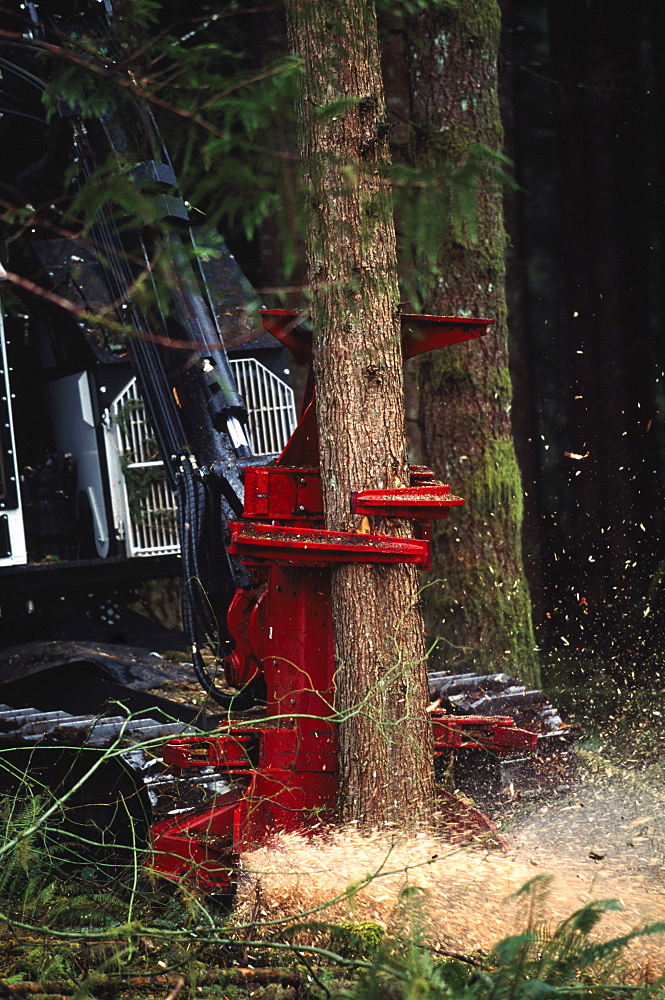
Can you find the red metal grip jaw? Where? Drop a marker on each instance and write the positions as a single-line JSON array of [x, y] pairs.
[[419, 333], [232, 751], [414, 502], [494, 732], [316, 546], [294, 494]]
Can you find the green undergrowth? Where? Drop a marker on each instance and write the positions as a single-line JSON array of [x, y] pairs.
[[76, 928], [363, 963]]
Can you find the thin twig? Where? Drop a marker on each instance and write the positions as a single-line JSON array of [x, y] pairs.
[[176, 989]]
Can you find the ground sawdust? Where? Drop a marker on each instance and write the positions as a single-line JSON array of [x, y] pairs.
[[469, 893]]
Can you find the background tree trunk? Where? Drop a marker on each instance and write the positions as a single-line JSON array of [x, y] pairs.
[[479, 603], [381, 691]]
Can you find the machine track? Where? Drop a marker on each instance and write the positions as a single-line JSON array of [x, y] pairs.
[[492, 782], [97, 775], [111, 757]]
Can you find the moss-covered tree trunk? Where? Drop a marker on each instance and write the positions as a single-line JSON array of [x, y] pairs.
[[479, 604], [381, 692]]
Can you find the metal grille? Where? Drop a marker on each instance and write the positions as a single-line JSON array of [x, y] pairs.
[[143, 502], [269, 401], [142, 499]]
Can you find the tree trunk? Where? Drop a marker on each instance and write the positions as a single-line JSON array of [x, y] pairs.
[[479, 602], [381, 685]]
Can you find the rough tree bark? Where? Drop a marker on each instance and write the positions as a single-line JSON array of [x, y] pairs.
[[381, 689], [480, 603]]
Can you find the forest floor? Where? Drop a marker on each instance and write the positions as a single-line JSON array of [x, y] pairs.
[[603, 840]]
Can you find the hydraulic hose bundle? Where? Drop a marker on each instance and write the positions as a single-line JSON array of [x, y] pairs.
[[200, 513], [176, 346]]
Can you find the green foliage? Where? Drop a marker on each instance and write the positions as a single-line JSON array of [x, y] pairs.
[[229, 122], [72, 83], [357, 937], [94, 909], [227, 119], [144, 14], [533, 965], [26, 871], [97, 937], [110, 189]]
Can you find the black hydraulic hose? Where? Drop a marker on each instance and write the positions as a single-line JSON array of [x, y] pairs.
[[208, 584], [232, 702], [198, 618]]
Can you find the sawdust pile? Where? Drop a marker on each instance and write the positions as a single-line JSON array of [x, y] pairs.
[[467, 899]]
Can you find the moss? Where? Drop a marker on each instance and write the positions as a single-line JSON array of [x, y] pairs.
[[496, 483], [504, 612], [478, 21], [446, 368], [357, 938], [480, 607], [500, 385]]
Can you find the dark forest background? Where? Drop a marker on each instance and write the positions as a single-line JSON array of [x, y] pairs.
[[584, 113]]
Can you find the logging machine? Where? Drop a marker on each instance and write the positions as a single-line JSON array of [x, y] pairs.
[[147, 437]]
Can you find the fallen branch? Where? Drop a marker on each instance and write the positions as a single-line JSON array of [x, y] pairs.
[[236, 976]]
